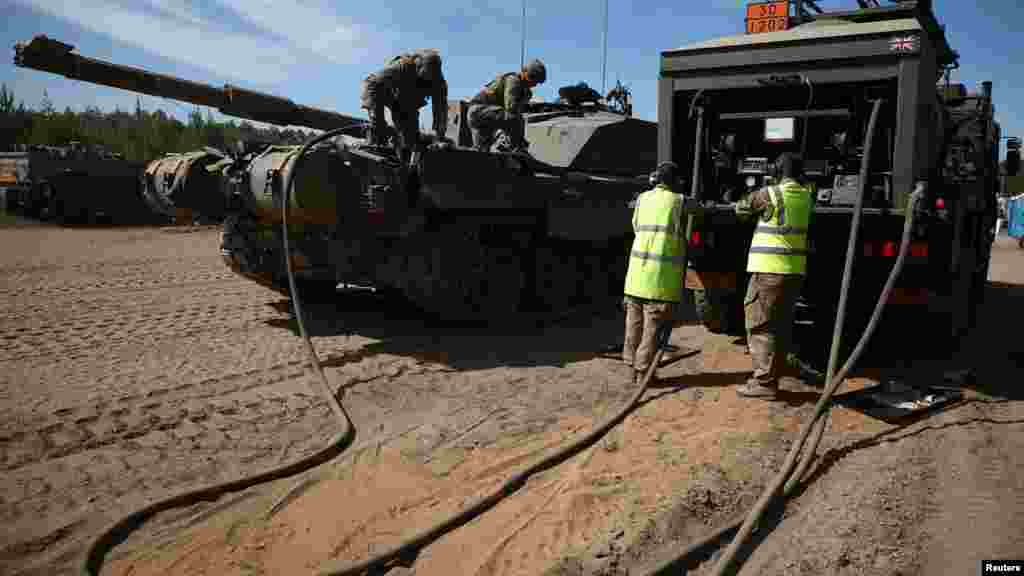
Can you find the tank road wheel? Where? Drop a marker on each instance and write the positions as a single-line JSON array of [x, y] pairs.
[[593, 280], [720, 310], [433, 285], [240, 252], [456, 280], [615, 271], [501, 286], [557, 280]]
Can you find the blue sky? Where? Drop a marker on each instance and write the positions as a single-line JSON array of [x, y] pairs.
[[316, 51]]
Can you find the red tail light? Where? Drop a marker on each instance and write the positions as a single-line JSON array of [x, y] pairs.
[[891, 249], [940, 203], [695, 240], [375, 216]]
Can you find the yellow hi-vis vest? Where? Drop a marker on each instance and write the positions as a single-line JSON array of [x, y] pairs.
[[779, 245], [659, 247]]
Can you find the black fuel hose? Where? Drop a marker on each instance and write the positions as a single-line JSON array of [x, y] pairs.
[[120, 530], [705, 542], [816, 425], [412, 545], [824, 403]]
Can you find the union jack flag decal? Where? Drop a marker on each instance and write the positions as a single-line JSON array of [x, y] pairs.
[[903, 44]]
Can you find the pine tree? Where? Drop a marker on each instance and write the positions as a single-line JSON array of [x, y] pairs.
[[6, 101], [46, 105]]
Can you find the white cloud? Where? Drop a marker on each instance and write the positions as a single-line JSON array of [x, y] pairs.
[[186, 38], [311, 25], [178, 10]]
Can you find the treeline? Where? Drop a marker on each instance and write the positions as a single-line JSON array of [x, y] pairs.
[[140, 135]]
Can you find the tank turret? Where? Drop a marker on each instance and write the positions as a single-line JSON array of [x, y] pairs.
[[581, 132]]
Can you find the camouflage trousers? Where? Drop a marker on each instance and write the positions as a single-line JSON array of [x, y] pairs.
[[405, 116], [485, 120], [643, 320], [769, 306]]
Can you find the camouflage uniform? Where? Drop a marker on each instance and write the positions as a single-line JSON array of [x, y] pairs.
[[403, 86], [499, 105], [769, 305]]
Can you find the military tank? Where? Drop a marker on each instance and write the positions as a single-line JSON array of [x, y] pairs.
[[464, 234], [76, 183]]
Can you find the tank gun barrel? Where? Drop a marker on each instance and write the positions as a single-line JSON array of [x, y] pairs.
[[49, 55]]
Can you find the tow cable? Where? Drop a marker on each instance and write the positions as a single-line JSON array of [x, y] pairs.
[[407, 549]]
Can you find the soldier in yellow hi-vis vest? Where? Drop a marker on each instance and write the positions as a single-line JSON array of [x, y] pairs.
[[654, 279], [778, 263]]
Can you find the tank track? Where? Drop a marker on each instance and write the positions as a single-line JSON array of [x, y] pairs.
[[453, 277], [260, 260]]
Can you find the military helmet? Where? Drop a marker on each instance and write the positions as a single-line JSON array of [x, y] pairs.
[[536, 72], [666, 173]]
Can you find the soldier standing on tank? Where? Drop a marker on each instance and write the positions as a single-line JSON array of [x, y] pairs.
[[501, 103], [654, 278], [778, 263], [403, 86]]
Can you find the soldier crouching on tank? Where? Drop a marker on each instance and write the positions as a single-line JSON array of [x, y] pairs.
[[403, 86], [777, 263], [654, 278], [500, 105]]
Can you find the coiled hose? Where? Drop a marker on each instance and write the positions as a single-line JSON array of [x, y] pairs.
[[788, 479], [120, 530]]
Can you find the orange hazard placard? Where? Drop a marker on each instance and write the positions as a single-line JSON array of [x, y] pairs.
[[767, 17]]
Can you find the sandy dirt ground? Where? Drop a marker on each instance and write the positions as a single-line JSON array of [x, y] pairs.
[[135, 366]]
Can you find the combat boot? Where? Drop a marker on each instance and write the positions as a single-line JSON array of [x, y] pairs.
[[754, 389], [638, 377]]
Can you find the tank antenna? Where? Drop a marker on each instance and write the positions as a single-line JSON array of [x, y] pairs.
[[522, 51], [604, 57]]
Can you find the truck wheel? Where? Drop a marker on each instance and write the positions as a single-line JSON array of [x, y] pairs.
[[978, 289], [735, 315], [706, 311], [720, 311]]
